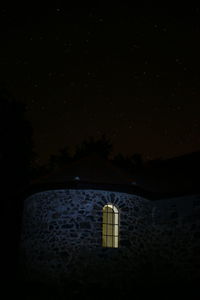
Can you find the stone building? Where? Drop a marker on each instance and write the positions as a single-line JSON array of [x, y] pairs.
[[92, 222]]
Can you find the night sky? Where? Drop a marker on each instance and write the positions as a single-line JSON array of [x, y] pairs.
[[131, 73]]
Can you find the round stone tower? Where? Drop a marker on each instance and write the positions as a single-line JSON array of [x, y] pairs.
[[88, 222]]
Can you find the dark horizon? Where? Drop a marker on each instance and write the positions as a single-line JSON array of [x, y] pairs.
[[129, 73]]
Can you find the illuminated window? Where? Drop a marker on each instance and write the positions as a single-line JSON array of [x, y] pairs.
[[110, 232]]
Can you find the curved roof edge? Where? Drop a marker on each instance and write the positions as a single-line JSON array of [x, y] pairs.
[[123, 188]]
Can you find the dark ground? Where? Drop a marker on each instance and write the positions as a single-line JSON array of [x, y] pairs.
[[145, 289]]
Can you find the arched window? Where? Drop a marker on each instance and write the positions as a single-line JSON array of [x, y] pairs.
[[110, 232]]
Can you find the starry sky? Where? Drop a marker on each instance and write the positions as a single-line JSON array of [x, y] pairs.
[[130, 73]]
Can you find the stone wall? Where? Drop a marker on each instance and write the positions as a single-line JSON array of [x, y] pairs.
[[176, 238], [62, 236]]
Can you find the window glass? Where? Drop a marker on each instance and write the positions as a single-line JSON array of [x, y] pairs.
[[110, 229]]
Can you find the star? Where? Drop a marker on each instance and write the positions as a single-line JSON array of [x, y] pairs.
[[122, 66]]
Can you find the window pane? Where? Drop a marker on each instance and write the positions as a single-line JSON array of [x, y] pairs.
[[116, 219], [110, 218], [115, 230], [104, 241], [115, 244], [109, 209], [109, 230], [105, 217], [110, 226], [104, 229]]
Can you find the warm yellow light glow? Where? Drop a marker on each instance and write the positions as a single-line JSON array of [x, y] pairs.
[[110, 230]]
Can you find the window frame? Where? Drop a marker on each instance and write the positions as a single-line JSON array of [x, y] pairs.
[[110, 226]]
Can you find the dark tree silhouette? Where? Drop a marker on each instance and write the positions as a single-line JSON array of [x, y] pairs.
[[15, 160], [136, 161], [131, 163], [57, 161], [102, 146], [122, 161], [16, 143]]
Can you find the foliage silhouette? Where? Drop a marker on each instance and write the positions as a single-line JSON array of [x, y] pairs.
[[131, 163], [102, 146], [15, 160], [63, 157], [16, 151]]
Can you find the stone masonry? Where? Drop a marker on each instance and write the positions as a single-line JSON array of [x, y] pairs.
[[62, 234], [62, 237]]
